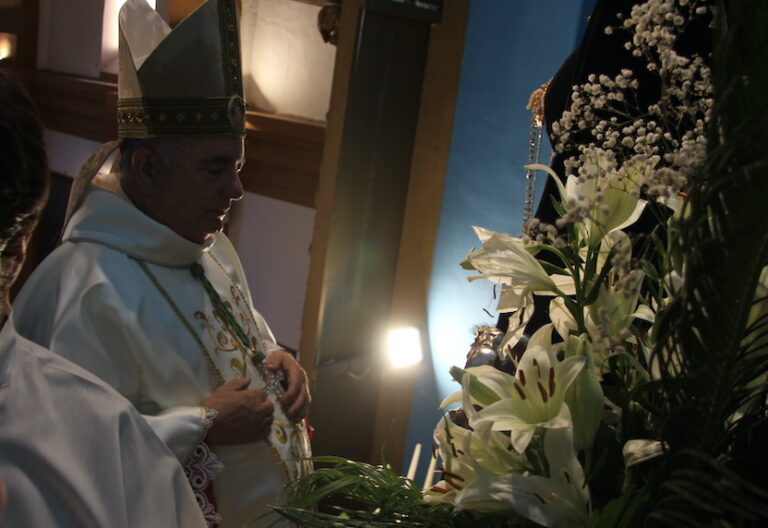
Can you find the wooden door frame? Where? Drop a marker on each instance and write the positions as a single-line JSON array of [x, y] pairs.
[[421, 216]]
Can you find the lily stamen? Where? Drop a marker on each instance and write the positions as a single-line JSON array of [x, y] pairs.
[[522, 376], [450, 473], [519, 391], [551, 381], [452, 483], [543, 392], [539, 497]]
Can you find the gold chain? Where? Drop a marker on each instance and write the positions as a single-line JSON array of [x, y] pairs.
[[536, 106], [216, 372]]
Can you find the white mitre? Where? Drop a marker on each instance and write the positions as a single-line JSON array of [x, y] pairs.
[[181, 82]]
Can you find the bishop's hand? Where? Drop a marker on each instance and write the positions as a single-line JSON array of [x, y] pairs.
[[244, 415], [295, 399]]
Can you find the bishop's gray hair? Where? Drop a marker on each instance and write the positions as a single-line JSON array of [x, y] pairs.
[[165, 148]]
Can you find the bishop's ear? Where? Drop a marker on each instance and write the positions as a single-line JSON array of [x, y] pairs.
[[143, 169]]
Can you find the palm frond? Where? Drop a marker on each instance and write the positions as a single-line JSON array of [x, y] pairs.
[[711, 357], [701, 491], [355, 494], [622, 512]]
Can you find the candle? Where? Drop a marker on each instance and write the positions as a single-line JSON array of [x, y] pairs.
[[430, 472], [414, 462]]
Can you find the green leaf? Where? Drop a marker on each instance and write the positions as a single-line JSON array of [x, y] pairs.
[[477, 389]]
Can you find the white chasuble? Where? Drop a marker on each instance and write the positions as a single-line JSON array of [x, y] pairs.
[[118, 298], [75, 454]]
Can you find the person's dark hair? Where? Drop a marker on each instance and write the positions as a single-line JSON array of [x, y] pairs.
[[24, 178]]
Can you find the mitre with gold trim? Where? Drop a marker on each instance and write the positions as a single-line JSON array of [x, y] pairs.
[[181, 82]]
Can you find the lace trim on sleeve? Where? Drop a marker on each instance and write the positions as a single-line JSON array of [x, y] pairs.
[[201, 468], [207, 416]]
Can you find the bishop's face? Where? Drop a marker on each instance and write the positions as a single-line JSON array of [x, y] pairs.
[[199, 181]]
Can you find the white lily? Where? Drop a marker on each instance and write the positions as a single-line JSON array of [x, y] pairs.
[[562, 318], [471, 459], [639, 450], [619, 209], [676, 202], [619, 206], [507, 260], [584, 396], [516, 322], [612, 314], [533, 398], [510, 262], [562, 496], [756, 341], [457, 471], [636, 452], [758, 313], [615, 239]]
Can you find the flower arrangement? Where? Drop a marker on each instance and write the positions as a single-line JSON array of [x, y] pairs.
[[643, 400]]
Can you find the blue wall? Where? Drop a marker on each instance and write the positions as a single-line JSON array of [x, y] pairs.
[[511, 48]]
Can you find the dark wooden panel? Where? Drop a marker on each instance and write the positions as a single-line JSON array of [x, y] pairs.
[[283, 154], [371, 183], [342, 411], [73, 105], [420, 227], [27, 43], [416, 220], [283, 158], [280, 183]]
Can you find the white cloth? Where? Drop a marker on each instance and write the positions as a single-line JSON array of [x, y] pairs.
[[74, 453], [91, 301]]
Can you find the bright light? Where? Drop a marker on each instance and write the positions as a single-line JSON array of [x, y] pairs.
[[7, 41], [404, 347]]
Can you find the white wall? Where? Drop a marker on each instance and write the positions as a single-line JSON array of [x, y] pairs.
[[66, 153], [273, 239], [69, 36], [287, 68]]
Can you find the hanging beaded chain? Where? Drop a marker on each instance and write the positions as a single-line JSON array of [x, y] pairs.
[[226, 316], [536, 106], [273, 380]]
